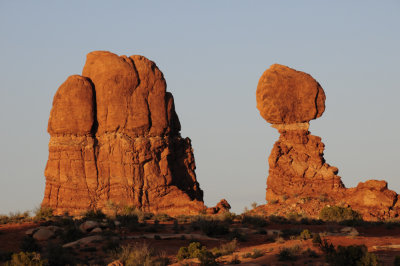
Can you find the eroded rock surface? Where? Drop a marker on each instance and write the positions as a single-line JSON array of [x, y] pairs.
[[299, 180], [115, 138]]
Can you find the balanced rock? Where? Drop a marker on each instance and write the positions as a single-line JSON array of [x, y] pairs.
[[299, 180], [287, 96], [115, 137]]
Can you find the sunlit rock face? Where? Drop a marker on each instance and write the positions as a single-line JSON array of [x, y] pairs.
[[299, 180], [115, 138]]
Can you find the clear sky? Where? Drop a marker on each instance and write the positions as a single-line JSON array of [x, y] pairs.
[[212, 54]]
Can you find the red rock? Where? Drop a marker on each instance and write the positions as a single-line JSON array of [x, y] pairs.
[[300, 181], [114, 137], [73, 110], [285, 95]]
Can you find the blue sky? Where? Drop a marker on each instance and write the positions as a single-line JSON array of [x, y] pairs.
[[212, 54]]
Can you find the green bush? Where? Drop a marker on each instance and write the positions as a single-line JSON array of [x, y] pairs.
[[26, 259], [305, 235], [254, 220], [196, 250], [339, 214]]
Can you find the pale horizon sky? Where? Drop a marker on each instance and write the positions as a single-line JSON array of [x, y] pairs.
[[212, 54]]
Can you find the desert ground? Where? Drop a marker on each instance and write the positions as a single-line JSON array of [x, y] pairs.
[[133, 237]]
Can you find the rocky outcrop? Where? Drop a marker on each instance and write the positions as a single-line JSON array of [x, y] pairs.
[[115, 138], [299, 179]]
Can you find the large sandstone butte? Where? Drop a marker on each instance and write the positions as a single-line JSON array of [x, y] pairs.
[[115, 140], [300, 181]]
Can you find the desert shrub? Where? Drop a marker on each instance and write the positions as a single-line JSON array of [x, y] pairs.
[[317, 241], [289, 254], [310, 253], [226, 217], [255, 254], [139, 255], [238, 235], [338, 214], [288, 232], [211, 227], [277, 219], [305, 235], [29, 244], [226, 249], [206, 258], [254, 220], [196, 250], [352, 255], [94, 215], [15, 217], [26, 259], [129, 220], [183, 218], [43, 213]]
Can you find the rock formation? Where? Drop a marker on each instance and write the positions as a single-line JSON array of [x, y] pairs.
[[299, 179], [115, 139]]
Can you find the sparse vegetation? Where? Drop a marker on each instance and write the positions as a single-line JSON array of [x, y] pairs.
[[347, 255], [289, 254], [254, 220], [96, 215], [225, 249], [210, 227], [255, 254], [43, 213], [196, 250], [305, 235], [139, 255], [15, 217], [338, 214], [26, 259]]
